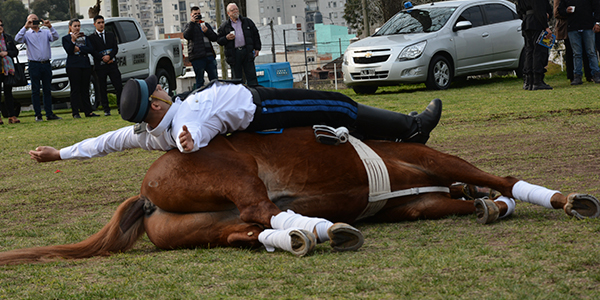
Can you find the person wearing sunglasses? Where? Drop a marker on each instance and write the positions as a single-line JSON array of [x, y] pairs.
[[220, 107]]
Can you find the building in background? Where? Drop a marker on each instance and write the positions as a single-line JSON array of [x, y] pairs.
[[332, 39]]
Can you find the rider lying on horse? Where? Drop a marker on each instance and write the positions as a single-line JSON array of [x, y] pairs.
[[219, 108]]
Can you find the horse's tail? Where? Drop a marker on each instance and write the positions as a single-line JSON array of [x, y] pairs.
[[121, 232]]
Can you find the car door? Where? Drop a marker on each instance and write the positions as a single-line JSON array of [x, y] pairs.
[[505, 31], [473, 46], [133, 50]]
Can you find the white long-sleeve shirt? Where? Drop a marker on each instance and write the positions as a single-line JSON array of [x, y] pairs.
[[219, 109]]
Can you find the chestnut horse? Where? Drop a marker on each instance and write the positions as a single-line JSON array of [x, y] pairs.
[[225, 194]]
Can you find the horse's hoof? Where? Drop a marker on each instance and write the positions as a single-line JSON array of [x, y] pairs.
[[344, 237], [472, 192], [582, 206], [486, 210], [303, 241]]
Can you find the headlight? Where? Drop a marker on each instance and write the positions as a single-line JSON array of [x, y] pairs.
[[412, 51], [346, 57], [59, 63]]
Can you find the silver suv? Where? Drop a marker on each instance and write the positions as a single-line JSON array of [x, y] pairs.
[[434, 43]]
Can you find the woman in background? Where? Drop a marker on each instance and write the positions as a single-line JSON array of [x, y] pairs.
[[79, 69], [8, 50]]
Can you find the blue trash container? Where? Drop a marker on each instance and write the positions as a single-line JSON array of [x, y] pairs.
[[277, 75]]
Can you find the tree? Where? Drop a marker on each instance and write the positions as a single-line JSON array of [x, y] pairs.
[[56, 10], [379, 12], [14, 15], [354, 17]]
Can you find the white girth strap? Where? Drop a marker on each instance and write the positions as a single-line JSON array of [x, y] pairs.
[[379, 180]]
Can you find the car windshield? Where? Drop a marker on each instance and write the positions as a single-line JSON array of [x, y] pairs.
[[420, 20], [64, 30]]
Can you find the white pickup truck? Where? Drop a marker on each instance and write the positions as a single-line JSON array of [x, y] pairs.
[[137, 58]]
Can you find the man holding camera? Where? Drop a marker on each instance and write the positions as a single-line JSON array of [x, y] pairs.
[[38, 53], [199, 35]]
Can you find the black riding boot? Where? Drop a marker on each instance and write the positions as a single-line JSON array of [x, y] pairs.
[[527, 82], [379, 123], [538, 82]]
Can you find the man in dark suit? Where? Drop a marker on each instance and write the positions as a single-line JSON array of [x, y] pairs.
[[105, 48], [535, 15]]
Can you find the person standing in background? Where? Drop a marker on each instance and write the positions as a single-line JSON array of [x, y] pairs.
[[199, 35], [583, 19], [241, 40], [535, 15], [79, 69], [8, 50], [560, 28], [105, 48], [39, 54]]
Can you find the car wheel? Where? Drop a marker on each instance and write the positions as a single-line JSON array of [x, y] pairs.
[[439, 75], [94, 96], [165, 80], [365, 89]]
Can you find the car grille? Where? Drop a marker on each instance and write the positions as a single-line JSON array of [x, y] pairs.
[[376, 75], [371, 60]]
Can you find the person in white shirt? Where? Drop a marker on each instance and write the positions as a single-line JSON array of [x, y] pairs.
[[220, 107]]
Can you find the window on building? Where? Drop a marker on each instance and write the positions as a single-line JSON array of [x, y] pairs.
[[334, 4], [278, 9], [181, 5], [176, 17], [175, 6], [262, 10], [335, 15], [183, 17]]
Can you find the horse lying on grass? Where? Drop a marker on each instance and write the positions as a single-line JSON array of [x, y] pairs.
[[227, 193]]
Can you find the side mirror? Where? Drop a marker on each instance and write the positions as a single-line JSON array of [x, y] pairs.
[[461, 25]]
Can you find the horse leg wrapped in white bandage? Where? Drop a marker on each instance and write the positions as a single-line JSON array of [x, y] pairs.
[[279, 239], [290, 219], [532, 193], [509, 202]]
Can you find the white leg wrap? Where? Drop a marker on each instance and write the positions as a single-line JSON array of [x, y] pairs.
[[511, 205], [279, 239], [290, 219], [532, 193]]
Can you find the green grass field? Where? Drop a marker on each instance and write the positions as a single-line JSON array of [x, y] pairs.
[[550, 138]]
